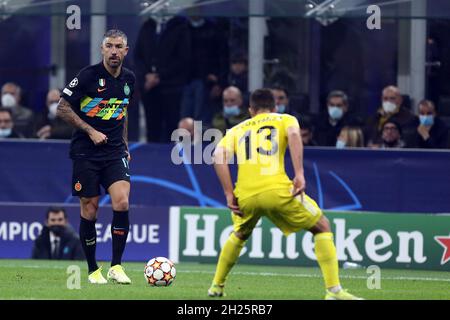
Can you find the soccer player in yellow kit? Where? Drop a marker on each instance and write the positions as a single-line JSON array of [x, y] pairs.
[[264, 189]]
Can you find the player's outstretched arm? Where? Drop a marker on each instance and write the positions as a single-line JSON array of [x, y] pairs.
[[296, 150], [223, 172], [65, 112]]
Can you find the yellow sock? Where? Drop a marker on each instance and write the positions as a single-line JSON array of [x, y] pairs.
[[327, 258], [228, 257]]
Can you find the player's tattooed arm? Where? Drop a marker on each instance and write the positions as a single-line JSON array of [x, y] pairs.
[[66, 113]]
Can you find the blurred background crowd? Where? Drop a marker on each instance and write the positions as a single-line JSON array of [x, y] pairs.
[[347, 85]]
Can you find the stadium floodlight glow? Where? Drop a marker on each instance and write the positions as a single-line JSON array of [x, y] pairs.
[[154, 8], [3, 10], [8, 7], [323, 12], [190, 4]]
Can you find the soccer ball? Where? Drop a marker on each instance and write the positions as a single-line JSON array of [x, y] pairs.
[[160, 272]]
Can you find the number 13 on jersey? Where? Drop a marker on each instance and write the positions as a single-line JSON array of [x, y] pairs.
[[263, 141]]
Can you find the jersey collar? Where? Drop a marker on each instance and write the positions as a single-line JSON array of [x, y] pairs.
[[109, 75]]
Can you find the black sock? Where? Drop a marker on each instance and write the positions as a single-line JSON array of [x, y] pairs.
[[119, 231], [88, 238]]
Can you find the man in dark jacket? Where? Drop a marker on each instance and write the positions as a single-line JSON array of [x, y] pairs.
[[208, 62], [57, 240], [432, 132], [392, 109], [47, 125], [329, 125], [162, 56], [7, 125]]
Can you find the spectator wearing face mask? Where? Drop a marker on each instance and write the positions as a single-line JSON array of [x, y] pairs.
[[22, 116], [7, 125], [432, 132], [57, 241], [391, 109], [338, 116], [48, 126], [350, 137], [281, 97], [232, 112]]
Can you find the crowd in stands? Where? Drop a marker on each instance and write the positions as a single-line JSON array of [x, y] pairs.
[[186, 72]]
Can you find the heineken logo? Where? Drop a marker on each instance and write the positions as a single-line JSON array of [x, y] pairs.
[[389, 240]]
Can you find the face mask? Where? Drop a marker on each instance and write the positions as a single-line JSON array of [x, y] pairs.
[[52, 110], [335, 113], [389, 107], [231, 111], [426, 121], [5, 132], [281, 108], [340, 144], [8, 100], [57, 230]]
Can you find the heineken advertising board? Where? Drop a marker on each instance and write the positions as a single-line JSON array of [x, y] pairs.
[[416, 241]]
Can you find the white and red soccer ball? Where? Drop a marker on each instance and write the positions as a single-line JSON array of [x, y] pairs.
[[160, 272]]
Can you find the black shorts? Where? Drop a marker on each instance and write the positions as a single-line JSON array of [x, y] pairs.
[[88, 175]]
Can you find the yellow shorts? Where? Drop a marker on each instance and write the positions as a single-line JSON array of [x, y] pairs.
[[279, 206]]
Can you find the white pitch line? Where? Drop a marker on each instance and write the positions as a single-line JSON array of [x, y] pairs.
[[303, 275], [265, 274]]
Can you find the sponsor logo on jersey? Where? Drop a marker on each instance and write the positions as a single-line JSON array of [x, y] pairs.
[[106, 109]]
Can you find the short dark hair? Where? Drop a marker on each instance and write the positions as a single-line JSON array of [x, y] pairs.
[[396, 124], [426, 102], [262, 99], [55, 210], [281, 88], [3, 109], [115, 33], [305, 124], [338, 94], [238, 58]]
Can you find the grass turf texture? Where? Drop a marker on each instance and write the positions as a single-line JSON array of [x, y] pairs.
[[41, 279]]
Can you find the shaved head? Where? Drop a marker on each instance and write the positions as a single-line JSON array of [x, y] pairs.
[[232, 96]]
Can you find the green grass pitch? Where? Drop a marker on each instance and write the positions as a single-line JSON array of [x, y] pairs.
[[41, 279]]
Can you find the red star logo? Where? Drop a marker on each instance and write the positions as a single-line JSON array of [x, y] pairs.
[[444, 241]]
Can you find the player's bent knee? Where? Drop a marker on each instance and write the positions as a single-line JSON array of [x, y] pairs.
[[323, 225], [121, 205], [242, 236]]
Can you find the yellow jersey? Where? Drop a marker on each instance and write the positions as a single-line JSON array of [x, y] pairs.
[[260, 144]]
